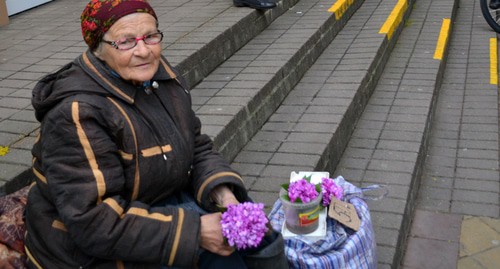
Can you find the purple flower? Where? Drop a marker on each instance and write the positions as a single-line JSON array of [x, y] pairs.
[[244, 225], [329, 189], [302, 189]]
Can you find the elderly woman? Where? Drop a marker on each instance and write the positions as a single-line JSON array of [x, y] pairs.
[[124, 178]]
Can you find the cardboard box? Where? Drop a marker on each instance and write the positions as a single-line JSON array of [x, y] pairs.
[[4, 17]]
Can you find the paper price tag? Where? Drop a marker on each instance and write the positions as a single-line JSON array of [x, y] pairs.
[[344, 213]]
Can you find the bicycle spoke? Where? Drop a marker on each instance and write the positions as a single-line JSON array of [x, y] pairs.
[[491, 15]]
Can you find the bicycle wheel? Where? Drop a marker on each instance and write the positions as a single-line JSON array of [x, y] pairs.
[[490, 15]]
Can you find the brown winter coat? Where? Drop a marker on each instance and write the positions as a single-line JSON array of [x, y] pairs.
[[107, 152]]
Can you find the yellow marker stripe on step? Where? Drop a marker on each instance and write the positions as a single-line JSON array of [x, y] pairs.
[[394, 19], [493, 61], [443, 39], [4, 150], [340, 7]]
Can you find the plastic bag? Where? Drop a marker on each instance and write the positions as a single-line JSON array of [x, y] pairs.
[[342, 247]]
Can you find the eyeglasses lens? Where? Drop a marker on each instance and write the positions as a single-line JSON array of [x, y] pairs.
[[129, 43]]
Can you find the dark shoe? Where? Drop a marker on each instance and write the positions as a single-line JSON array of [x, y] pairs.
[[494, 4], [256, 4]]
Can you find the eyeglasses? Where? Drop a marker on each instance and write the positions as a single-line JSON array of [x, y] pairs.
[[131, 42]]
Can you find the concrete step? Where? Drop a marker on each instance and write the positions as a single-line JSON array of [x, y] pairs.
[[200, 34], [389, 144], [196, 42], [318, 119], [312, 126], [235, 100]]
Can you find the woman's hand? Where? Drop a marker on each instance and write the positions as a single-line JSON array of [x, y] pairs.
[[223, 196], [211, 237]]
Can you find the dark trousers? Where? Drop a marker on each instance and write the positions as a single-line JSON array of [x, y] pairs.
[[269, 254], [207, 260]]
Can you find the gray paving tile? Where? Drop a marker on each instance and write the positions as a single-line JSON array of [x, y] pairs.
[[437, 226], [422, 247], [475, 209]]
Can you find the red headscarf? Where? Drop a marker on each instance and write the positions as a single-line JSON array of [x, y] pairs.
[[99, 15]]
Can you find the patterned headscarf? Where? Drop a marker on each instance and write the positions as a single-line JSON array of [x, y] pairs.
[[99, 15]]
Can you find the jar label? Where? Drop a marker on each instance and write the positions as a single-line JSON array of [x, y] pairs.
[[309, 218]]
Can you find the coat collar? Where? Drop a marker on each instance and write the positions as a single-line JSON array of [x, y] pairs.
[[115, 85]]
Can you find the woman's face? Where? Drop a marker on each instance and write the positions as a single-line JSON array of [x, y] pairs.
[[139, 63]]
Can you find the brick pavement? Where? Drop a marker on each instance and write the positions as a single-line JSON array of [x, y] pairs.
[[388, 145], [458, 209]]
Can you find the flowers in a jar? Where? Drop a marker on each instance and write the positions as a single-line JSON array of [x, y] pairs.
[[303, 191], [244, 225]]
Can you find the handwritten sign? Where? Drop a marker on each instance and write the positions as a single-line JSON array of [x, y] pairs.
[[344, 213]]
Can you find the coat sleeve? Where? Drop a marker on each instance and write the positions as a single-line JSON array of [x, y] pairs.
[[210, 169], [86, 184]]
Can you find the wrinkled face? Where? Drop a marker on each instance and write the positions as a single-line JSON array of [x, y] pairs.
[[137, 64]]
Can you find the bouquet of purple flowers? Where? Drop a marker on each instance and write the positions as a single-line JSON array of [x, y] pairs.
[[244, 225], [330, 189], [303, 191]]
